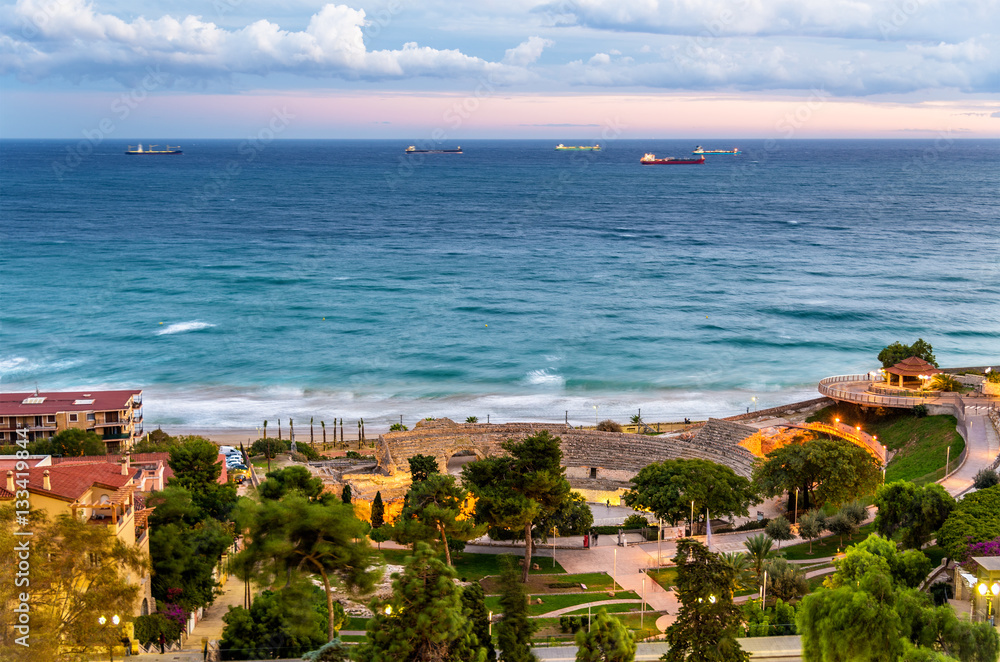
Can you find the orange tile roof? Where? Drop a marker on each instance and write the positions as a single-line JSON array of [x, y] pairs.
[[912, 367], [70, 481], [12, 404]]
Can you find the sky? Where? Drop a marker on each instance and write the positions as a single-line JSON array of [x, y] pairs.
[[415, 69]]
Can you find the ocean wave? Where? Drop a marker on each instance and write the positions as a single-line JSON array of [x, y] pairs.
[[544, 377], [20, 366], [183, 327]]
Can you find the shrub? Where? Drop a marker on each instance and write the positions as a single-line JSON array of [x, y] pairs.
[[993, 377], [398, 427], [609, 426], [986, 478], [753, 525], [920, 411], [354, 455], [564, 623], [307, 450], [635, 522], [149, 628]]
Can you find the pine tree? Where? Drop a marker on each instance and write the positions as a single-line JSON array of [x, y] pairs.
[[345, 494], [424, 620], [515, 628], [433, 511], [608, 641], [378, 511], [474, 600]]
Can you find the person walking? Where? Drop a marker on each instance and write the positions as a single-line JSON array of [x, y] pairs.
[[163, 644]]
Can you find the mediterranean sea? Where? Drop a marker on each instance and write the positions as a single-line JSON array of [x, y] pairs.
[[245, 281]]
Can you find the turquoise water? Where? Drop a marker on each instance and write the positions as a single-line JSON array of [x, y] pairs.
[[303, 279]]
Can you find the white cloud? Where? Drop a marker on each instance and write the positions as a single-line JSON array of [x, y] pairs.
[[600, 59], [526, 52], [71, 39]]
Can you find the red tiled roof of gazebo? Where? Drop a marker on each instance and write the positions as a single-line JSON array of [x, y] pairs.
[[913, 367]]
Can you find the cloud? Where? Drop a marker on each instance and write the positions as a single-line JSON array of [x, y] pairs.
[[996, 114], [526, 52], [564, 125], [69, 38]]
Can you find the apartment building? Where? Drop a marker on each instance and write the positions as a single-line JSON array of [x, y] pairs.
[[115, 415]]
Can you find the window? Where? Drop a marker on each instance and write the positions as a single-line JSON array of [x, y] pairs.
[[593, 472], [91, 416], [73, 418], [51, 418]]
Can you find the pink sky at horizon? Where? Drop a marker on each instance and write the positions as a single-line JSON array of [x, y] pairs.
[[447, 116]]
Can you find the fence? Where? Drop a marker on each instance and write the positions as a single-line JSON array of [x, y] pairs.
[[828, 388]]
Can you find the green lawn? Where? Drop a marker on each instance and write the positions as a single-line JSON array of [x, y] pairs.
[[473, 567], [824, 546], [666, 577], [549, 627], [552, 602], [611, 609], [921, 442]]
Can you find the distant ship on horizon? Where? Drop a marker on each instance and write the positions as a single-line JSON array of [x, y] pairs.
[[413, 150], [593, 148], [150, 150], [650, 159], [699, 150]]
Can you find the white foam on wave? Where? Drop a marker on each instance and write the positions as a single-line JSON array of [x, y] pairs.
[[20, 366], [544, 377], [183, 327]]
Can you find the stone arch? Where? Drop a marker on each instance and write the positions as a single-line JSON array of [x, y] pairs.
[[144, 609], [445, 455]]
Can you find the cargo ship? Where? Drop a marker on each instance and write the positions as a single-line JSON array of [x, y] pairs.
[[699, 150], [593, 148], [413, 150], [150, 150], [650, 159]]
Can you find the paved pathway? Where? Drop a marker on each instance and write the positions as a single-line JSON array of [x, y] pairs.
[[595, 606], [760, 648], [982, 448]]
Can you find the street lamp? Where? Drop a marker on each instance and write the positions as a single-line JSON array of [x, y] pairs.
[[115, 620], [989, 592], [754, 399]]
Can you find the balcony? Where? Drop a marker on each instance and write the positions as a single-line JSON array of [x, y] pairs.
[[116, 436]]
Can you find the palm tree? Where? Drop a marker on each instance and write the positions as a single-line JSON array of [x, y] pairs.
[[739, 564], [267, 450], [758, 550], [472, 419], [944, 382], [311, 438], [323, 425]]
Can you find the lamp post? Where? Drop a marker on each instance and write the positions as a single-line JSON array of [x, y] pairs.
[[754, 399], [642, 613], [990, 593], [796, 513], [115, 620], [553, 547], [614, 575], [596, 423]]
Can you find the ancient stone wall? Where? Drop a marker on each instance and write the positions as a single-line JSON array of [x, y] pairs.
[[602, 455]]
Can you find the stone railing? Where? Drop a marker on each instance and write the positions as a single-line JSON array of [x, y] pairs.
[[855, 435], [783, 410], [829, 387]]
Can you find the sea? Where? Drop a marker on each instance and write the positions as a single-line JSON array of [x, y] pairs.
[[321, 279]]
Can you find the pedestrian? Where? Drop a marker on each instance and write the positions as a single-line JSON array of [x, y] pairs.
[[609, 504], [163, 644], [127, 643]]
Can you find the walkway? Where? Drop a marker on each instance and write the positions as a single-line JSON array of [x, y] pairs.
[[595, 606], [760, 648], [981, 449]]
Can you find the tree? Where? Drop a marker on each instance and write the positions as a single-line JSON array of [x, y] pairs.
[[573, 518], [740, 564], [422, 466], [434, 510], [825, 470], [296, 535], [155, 441], [708, 622], [667, 489], [474, 601], [380, 535], [197, 468], [841, 525], [758, 551], [897, 351], [74, 442], [985, 478], [607, 641], [78, 572], [976, 518], [378, 511], [869, 614], [785, 581], [284, 623], [779, 529], [875, 553], [515, 628], [472, 419], [345, 494], [811, 526], [280, 482], [944, 382], [424, 620], [514, 491], [918, 512], [608, 425]]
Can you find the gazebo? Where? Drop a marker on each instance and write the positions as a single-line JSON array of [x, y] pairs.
[[910, 372]]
